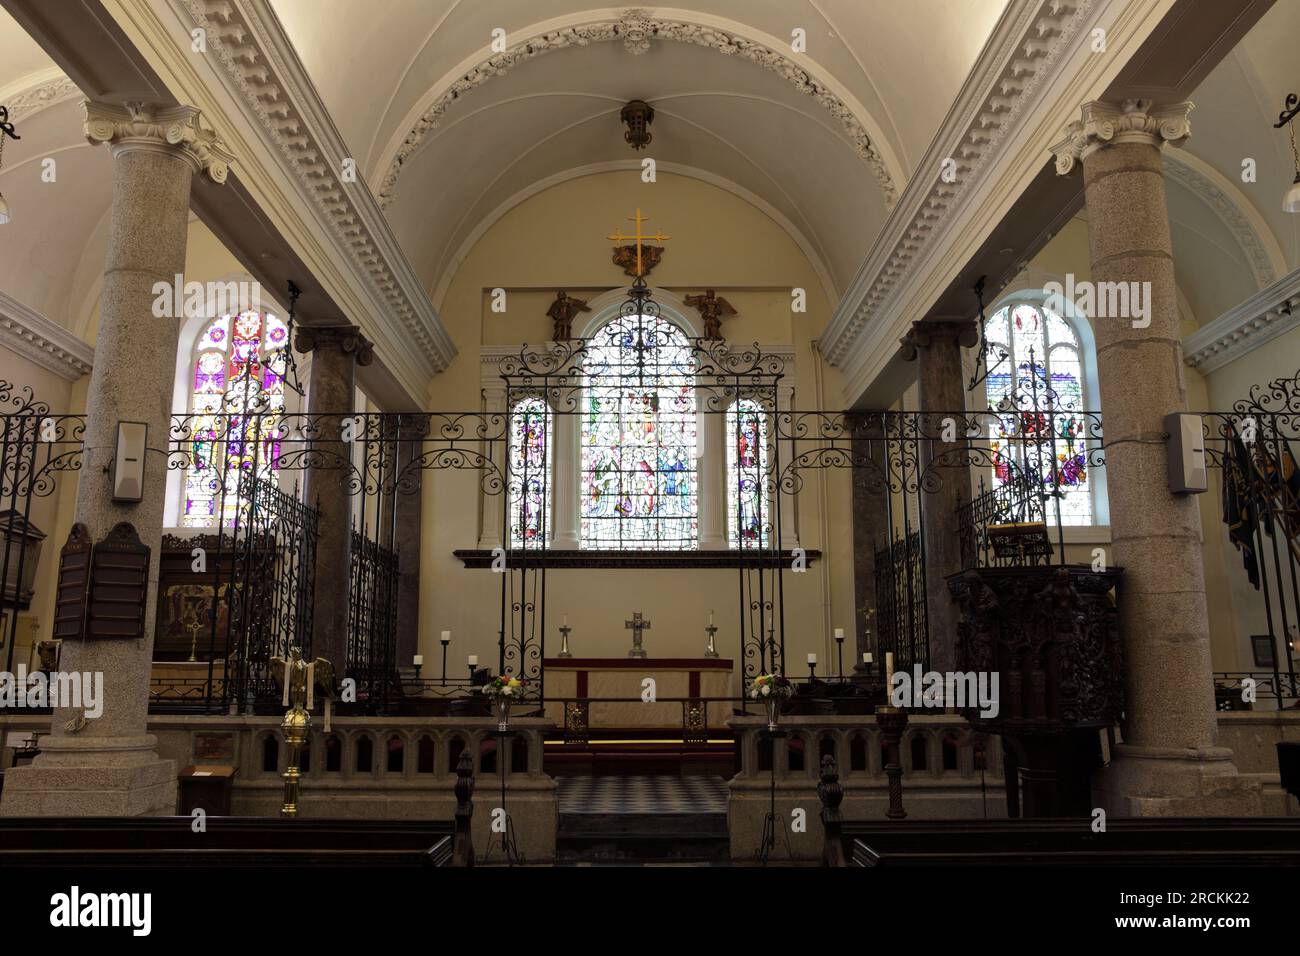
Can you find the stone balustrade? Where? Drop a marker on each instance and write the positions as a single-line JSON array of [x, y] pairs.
[[944, 776], [371, 768]]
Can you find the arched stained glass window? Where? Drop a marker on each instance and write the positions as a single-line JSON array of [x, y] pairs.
[[1038, 390], [530, 471], [639, 487], [748, 523], [238, 377]]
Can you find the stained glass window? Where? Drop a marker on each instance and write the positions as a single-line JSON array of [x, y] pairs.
[[529, 475], [1037, 440], [747, 508], [639, 488], [238, 378]]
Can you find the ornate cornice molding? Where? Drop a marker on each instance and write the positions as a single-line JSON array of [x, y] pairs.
[[31, 335], [264, 70], [1257, 321], [43, 94], [637, 28], [1025, 48], [1130, 121], [172, 131]]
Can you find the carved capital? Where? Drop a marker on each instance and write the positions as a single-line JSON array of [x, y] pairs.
[[346, 338], [923, 335], [172, 131], [1132, 121]]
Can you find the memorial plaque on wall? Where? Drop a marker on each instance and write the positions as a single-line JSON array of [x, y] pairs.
[[74, 584], [119, 585], [214, 746]]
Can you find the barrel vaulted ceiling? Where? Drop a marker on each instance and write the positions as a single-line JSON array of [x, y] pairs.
[[450, 134], [727, 111]]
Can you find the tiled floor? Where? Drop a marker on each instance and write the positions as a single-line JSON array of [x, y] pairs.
[[639, 794]]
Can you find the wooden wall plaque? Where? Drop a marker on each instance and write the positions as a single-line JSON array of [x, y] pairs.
[[102, 587], [74, 584], [119, 585]]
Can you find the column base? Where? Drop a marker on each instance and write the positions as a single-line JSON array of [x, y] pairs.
[[92, 777], [1159, 782]]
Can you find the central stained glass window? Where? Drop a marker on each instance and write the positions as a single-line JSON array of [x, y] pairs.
[[639, 483]]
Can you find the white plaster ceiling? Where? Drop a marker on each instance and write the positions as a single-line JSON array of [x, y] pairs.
[[1236, 107], [43, 245], [898, 66]]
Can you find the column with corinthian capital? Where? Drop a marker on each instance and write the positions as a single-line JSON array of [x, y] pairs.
[[107, 764], [1170, 762]]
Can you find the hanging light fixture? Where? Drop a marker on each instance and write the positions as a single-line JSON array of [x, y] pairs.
[[1291, 201], [6, 129]]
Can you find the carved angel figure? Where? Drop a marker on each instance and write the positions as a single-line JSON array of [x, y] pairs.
[[712, 308], [562, 311]]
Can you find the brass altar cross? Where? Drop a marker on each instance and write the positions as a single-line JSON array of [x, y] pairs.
[[640, 238], [637, 625]]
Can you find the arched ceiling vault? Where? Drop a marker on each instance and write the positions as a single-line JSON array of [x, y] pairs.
[[449, 130]]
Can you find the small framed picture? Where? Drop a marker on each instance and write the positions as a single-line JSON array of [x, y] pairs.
[[1262, 647]]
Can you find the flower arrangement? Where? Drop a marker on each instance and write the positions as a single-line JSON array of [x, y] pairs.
[[771, 685], [505, 686]]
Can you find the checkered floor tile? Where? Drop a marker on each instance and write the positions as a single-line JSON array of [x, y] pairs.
[[642, 794]]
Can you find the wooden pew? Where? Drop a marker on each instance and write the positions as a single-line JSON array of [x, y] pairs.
[[1066, 842], [226, 842], [150, 842]]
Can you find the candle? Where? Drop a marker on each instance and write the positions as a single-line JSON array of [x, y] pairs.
[[710, 617], [565, 622], [473, 660], [419, 660], [839, 634], [812, 658], [445, 637], [889, 668]]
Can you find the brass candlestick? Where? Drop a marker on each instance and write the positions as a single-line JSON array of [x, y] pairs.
[[295, 727], [298, 682], [891, 721], [564, 641], [711, 650]]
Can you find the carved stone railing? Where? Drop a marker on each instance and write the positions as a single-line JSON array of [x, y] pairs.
[[950, 770], [338, 781]]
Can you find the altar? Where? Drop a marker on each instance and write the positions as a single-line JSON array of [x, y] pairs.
[[575, 686]]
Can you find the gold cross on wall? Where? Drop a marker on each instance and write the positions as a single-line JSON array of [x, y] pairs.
[[639, 238]]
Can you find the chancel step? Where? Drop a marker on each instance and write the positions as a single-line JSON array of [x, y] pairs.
[[640, 819]]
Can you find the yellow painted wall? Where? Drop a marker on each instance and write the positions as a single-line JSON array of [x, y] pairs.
[[555, 240]]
